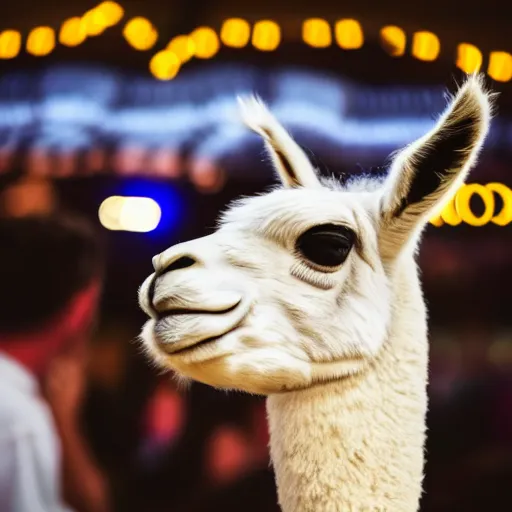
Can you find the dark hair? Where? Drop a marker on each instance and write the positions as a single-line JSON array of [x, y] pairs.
[[44, 261]]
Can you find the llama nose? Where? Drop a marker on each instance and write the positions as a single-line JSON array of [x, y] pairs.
[[164, 266], [177, 264]]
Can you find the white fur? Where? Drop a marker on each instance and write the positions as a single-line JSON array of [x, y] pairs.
[[342, 355]]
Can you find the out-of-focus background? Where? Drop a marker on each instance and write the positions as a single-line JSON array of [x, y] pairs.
[[138, 99]]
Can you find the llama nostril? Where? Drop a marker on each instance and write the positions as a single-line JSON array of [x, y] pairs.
[[151, 292], [183, 262], [177, 264]]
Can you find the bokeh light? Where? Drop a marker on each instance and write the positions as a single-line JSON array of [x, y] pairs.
[[41, 41], [206, 42], [235, 32], [73, 32], [266, 35], [140, 33], [137, 214], [349, 34], [164, 65], [425, 46], [112, 12], [393, 40], [316, 32], [183, 47], [469, 58], [10, 44], [500, 66]]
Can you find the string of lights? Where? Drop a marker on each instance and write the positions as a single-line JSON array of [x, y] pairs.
[[458, 209], [143, 214], [41, 41], [264, 35]]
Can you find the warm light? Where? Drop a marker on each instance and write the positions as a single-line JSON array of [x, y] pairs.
[[317, 33], [503, 217], [94, 22], [10, 44], [29, 196], [349, 34], [462, 204], [458, 209], [138, 214], [73, 32], [112, 12], [393, 40], [500, 66], [110, 211], [235, 32], [206, 176], [425, 46], [164, 65], [266, 35], [140, 33], [469, 58], [41, 41], [206, 42], [183, 47]]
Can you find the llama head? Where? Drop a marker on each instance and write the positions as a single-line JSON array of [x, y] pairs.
[[294, 286]]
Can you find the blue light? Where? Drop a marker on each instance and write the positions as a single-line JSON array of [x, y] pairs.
[[166, 194]]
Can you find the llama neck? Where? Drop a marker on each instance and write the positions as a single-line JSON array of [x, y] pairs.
[[357, 444]]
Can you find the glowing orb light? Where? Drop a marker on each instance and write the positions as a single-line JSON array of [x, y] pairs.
[[137, 214]]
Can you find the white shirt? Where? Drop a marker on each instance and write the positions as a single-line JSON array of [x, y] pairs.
[[29, 448]]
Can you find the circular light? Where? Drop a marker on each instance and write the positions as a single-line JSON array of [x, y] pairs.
[[95, 22], [469, 58], [136, 214], [183, 47], [164, 65], [349, 34], [235, 32], [73, 32], [504, 217], [41, 41], [393, 40], [500, 66], [316, 32], [266, 35], [462, 204], [425, 46], [111, 11], [450, 214], [206, 42], [10, 44], [140, 33]]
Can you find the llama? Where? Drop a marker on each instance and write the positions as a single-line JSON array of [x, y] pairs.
[[310, 295]]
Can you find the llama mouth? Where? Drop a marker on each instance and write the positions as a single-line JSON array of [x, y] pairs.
[[183, 311], [202, 343], [172, 350]]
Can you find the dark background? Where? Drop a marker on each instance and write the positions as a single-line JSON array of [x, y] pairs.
[[202, 450]]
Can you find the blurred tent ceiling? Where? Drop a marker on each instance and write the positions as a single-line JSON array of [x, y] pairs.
[[485, 25]]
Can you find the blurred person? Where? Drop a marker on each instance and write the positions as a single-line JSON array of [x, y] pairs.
[[50, 274]]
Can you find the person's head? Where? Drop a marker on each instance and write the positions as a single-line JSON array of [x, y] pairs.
[[50, 273]]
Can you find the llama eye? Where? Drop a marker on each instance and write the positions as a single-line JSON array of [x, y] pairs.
[[327, 245]]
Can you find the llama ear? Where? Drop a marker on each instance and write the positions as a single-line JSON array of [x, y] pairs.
[[428, 172], [292, 164]]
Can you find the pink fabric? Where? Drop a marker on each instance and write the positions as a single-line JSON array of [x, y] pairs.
[[77, 315]]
